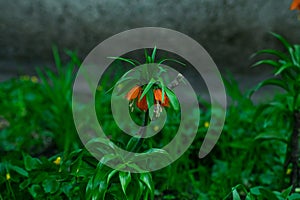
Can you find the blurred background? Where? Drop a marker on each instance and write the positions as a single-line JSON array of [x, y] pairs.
[[230, 30]]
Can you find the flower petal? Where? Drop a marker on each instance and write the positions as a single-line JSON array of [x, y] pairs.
[[157, 94], [295, 5], [133, 93], [142, 104]]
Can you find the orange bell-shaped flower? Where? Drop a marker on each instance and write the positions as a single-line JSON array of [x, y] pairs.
[[142, 104], [295, 5], [133, 93], [158, 97]]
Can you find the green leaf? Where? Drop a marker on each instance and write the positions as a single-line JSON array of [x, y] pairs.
[[102, 189], [271, 81], [40, 177], [130, 61], [235, 195], [147, 180], [153, 54], [287, 192], [56, 58], [132, 143], [255, 190], [149, 60], [125, 178], [283, 67], [271, 136], [19, 170], [50, 185], [297, 55], [73, 55], [286, 44], [24, 184], [249, 196], [294, 196], [277, 53], [150, 98], [146, 55], [31, 163], [268, 194], [173, 99], [172, 60], [140, 190], [35, 190], [266, 62], [148, 87], [110, 175]]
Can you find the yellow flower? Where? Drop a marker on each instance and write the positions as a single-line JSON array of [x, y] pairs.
[[34, 79], [57, 160], [7, 176], [206, 124], [288, 171], [156, 128]]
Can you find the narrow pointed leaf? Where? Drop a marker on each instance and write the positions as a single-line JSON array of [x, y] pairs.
[[266, 62], [282, 40], [147, 180], [130, 61], [125, 178], [172, 60], [277, 53], [173, 99], [153, 54], [272, 81], [148, 87], [284, 67]]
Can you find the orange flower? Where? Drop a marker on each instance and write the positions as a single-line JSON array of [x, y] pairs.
[[142, 104], [136, 92], [295, 5], [158, 97], [133, 93]]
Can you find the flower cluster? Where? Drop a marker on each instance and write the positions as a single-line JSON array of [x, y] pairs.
[[134, 95]]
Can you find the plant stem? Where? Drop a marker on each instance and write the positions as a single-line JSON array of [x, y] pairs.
[[295, 150], [140, 141]]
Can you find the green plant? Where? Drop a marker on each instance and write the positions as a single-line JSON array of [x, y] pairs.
[[56, 87], [142, 97], [285, 107], [260, 193]]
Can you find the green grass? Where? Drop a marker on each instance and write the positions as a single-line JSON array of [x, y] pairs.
[[42, 157]]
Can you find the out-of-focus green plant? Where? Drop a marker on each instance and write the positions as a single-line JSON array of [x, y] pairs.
[[285, 109], [57, 88], [261, 193]]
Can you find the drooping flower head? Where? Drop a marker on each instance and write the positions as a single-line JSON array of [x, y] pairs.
[[295, 5], [134, 95], [158, 98]]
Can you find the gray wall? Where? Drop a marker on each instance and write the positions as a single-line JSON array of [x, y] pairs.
[[230, 30]]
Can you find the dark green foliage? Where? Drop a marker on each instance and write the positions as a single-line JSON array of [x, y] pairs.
[[42, 158]]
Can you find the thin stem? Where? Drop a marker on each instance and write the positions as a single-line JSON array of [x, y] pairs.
[[295, 150], [142, 131], [11, 190]]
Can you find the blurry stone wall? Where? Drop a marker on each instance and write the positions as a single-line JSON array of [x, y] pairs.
[[230, 30]]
